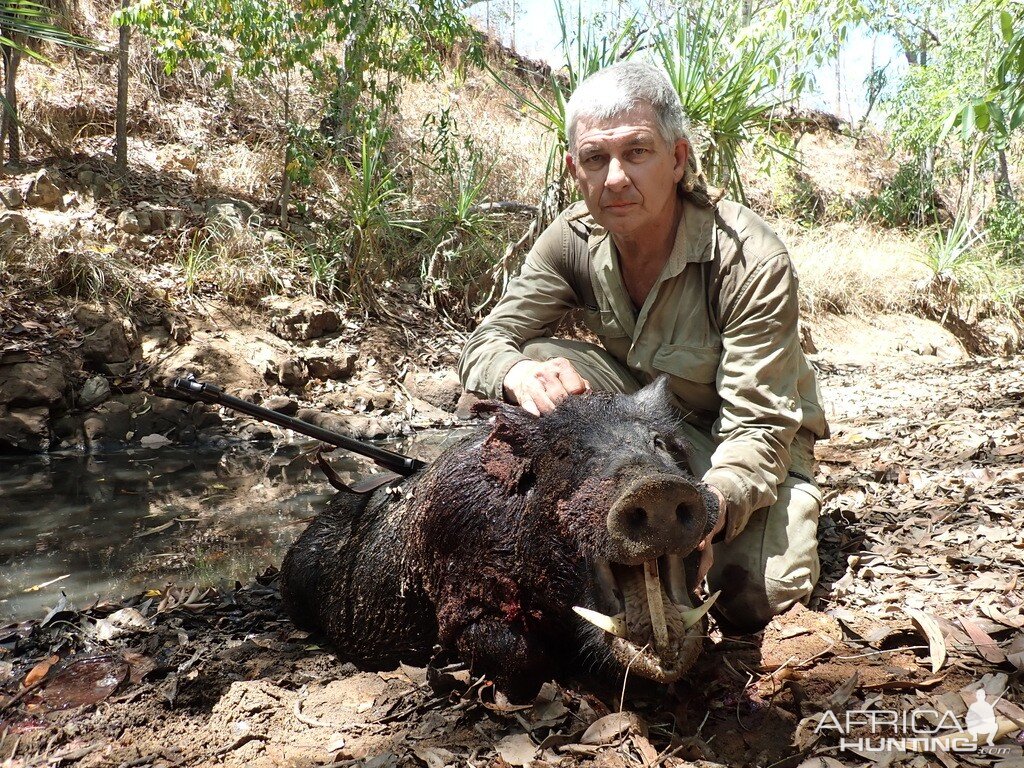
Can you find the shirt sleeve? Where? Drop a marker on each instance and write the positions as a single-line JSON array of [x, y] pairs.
[[533, 305], [757, 380]]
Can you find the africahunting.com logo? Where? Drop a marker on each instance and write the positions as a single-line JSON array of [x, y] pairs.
[[922, 729]]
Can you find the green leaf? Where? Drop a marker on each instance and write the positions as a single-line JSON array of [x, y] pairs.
[[1006, 25]]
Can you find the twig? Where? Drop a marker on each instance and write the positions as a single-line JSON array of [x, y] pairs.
[[884, 650], [21, 694], [625, 676], [306, 719]]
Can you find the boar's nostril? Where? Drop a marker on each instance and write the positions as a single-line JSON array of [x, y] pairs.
[[636, 517], [684, 513]]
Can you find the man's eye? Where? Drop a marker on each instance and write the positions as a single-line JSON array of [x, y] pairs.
[[639, 151]]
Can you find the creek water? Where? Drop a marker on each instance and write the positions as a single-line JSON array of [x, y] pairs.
[[105, 526]]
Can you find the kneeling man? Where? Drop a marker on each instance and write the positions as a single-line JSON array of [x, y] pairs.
[[673, 282]]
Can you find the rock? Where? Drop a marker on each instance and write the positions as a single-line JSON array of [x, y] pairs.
[[326, 364], [109, 423], [113, 347], [363, 397], [67, 433], [32, 383], [442, 389], [13, 227], [43, 190], [94, 392], [90, 316], [301, 319], [287, 371], [25, 429], [225, 217], [215, 359], [11, 197], [283, 405], [128, 221], [358, 427], [160, 217], [427, 415]]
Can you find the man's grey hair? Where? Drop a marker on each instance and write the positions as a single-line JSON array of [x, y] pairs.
[[615, 90]]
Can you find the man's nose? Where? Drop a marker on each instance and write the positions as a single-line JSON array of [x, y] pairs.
[[616, 178]]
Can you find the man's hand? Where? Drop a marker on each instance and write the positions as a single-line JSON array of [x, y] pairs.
[[539, 387], [707, 556]]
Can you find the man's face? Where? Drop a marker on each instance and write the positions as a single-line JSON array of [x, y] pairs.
[[627, 172]]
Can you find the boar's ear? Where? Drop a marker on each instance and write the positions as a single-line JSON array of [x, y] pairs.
[[656, 397], [505, 454]]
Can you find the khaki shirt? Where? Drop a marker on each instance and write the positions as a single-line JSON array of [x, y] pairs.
[[721, 321]]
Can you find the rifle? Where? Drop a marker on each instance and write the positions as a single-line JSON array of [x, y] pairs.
[[211, 393]]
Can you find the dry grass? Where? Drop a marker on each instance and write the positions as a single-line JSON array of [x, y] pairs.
[[853, 269], [239, 169], [514, 146], [63, 265]]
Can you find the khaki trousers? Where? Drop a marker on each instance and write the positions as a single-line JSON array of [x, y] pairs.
[[773, 562]]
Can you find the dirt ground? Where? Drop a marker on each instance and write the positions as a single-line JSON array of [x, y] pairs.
[[920, 604]]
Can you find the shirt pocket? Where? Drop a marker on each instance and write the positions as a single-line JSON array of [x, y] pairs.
[[696, 364]]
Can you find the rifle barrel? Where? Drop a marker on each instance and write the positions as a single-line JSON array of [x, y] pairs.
[[211, 393]]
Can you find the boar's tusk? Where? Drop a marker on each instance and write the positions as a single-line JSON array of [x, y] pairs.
[[676, 579], [694, 615], [655, 605], [615, 625]]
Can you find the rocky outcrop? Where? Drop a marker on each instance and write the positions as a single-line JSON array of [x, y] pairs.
[[226, 217], [13, 228], [45, 190], [442, 389], [111, 343], [301, 319], [32, 390], [146, 218]]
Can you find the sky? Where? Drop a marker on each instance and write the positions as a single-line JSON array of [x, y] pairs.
[[536, 34]]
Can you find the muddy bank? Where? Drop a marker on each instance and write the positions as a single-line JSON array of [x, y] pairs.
[[96, 378]]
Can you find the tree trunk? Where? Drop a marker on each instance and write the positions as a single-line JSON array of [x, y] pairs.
[[3, 113], [286, 179], [12, 59], [121, 116], [1003, 189]]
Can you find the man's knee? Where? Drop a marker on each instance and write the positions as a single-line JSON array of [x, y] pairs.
[[754, 599]]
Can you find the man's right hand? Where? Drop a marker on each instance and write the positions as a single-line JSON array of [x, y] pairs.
[[539, 387]]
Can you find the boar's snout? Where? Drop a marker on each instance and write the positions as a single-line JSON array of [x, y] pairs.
[[655, 515]]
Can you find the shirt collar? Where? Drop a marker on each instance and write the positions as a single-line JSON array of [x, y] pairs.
[[693, 238]]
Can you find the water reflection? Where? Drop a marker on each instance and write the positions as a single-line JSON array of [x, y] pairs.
[[106, 526]]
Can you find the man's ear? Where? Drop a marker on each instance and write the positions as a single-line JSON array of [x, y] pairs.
[[570, 163], [682, 153]]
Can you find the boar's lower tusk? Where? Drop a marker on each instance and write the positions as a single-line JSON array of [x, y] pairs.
[[676, 578], [655, 605], [694, 615], [615, 625]]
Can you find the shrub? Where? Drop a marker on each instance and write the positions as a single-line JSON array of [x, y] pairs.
[[1004, 229], [909, 200]]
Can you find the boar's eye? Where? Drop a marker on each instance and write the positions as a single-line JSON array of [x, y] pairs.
[[659, 443]]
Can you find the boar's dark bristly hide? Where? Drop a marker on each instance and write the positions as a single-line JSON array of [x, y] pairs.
[[489, 549]]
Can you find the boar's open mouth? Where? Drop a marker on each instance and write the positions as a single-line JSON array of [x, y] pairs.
[[654, 629]]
